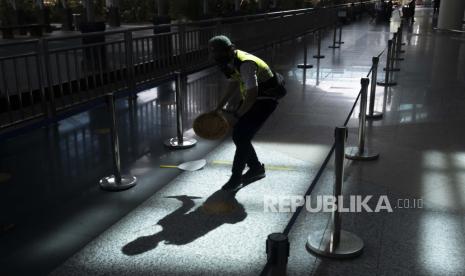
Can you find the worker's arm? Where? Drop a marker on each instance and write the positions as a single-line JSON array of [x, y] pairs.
[[230, 90], [249, 75], [249, 100]]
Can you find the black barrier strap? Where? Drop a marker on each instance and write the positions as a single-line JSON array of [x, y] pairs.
[[353, 108], [309, 190], [319, 173], [314, 182], [371, 68]]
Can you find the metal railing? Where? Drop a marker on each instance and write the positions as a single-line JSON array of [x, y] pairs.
[[41, 78]]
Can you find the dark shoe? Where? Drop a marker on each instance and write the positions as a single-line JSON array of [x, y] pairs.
[[232, 184], [254, 174]]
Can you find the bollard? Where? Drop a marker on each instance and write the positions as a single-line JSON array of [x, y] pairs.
[[130, 69], [334, 39], [277, 251], [394, 43], [318, 72], [399, 45], [180, 142], [319, 55], [391, 67], [387, 80], [334, 242], [372, 114], [402, 29], [340, 35], [305, 65], [115, 182], [360, 152], [393, 64]]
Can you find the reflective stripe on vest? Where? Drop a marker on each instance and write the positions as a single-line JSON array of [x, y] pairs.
[[263, 70]]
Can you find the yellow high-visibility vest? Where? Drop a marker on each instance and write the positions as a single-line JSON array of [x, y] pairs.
[[263, 70]]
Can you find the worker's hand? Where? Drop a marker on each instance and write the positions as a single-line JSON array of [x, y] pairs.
[[232, 121], [218, 109], [230, 117]]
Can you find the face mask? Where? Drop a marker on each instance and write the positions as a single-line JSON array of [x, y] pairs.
[[222, 60], [227, 69]]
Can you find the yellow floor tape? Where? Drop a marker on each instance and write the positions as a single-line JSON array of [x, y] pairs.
[[168, 166]]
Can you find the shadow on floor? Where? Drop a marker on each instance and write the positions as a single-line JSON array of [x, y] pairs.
[[181, 227]]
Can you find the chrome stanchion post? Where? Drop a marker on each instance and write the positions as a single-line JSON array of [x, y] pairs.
[[319, 55], [393, 56], [130, 69], [318, 72], [372, 114], [388, 64], [182, 44], [305, 66], [334, 46], [399, 45], [340, 35], [277, 251], [180, 142], [387, 81], [336, 243], [394, 59], [400, 31], [361, 152], [115, 182], [394, 51], [394, 44]]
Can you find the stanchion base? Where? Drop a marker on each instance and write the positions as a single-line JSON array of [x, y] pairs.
[[392, 70], [353, 153], [382, 83], [402, 51], [303, 66], [318, 56], [375, 116], [334, 47], [173, 143], [109, 183], [340, 42], [350, 245]]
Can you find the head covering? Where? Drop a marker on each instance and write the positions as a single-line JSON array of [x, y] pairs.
[[220, 42]]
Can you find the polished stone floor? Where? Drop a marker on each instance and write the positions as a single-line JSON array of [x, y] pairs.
[[58, 222]]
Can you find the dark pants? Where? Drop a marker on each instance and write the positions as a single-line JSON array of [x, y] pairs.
[[245, 129]]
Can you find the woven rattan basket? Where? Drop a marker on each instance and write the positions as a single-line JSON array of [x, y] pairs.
[[211, 126]]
